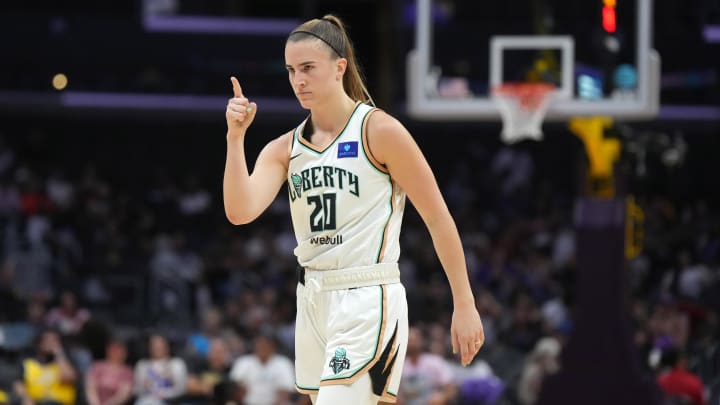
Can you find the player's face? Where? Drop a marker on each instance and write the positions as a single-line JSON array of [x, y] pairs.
[[314, 74]]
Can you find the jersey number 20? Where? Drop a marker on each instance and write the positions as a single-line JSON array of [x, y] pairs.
[[322, 217]]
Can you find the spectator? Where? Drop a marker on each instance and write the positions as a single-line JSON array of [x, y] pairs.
[[678, 382], [213, 370], [268, 376], [32, 268], [525, 326], [68, 317], [110, 381], [48, 378], [174, 272], [160, 378], [542, 361], [427, 378], [478, 384], [211, 326]]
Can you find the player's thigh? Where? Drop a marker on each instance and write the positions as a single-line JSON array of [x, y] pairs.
[[309, 344]]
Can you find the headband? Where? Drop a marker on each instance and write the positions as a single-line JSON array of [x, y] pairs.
[[320, 38]]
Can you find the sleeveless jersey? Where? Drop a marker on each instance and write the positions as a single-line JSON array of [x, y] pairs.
[[42, 382], [346, 210]]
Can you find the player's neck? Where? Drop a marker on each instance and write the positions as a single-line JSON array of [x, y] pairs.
[[333, 114]]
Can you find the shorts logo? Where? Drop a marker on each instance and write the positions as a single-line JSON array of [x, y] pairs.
[[339, 362], [297, 183], [347, 149]]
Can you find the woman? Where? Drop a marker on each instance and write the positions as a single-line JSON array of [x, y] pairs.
[[161, 378], [110, 381], [348, 167], [48, 377]]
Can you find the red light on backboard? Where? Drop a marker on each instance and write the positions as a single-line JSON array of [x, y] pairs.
[[609, 21]]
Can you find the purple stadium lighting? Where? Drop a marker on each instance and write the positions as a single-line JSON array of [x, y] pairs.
[[219, 25], [712, 33], [79, 99]]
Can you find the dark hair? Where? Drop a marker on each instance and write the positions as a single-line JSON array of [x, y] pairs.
[[228, 392], [115, 340], [331, 31], [37, 339], [269, 335]]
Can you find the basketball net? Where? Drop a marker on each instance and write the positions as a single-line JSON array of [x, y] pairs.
[[522, 109]]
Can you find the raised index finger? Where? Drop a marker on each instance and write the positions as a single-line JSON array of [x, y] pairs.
[[237, 90]]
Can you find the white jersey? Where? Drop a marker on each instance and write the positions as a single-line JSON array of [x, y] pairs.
[[346, 209]]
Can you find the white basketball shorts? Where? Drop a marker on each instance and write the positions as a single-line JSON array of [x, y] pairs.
[[341, 334]]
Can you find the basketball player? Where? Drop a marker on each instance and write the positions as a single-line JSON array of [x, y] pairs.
[[347, 168]]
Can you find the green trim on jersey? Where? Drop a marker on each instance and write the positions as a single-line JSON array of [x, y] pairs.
[[385, 228], [377, 342], [336, 138], [362, 143], [296, 133], [392, 194]]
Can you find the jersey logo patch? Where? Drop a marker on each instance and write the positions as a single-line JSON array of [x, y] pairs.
[[340, 362], [297, 183], [347, 149]]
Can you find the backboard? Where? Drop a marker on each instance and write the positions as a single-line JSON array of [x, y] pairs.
[[598, 53]]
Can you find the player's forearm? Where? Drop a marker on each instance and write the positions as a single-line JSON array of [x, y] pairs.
[[449, 249], [236, 181]]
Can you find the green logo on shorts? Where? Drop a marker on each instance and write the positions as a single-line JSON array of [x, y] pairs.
[[339, 362]]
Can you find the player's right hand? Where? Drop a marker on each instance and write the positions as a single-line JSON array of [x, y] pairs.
[[240, 111]]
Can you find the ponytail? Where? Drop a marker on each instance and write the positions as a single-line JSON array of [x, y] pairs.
[[331, 31]]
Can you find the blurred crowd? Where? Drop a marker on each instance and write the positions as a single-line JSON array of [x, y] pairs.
[[134, 289]]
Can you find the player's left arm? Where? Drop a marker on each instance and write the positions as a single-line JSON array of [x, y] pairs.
[[391, 144]]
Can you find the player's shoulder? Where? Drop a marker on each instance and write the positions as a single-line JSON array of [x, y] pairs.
[[280, 147], [381, 122], [282, 140], [385, 134]]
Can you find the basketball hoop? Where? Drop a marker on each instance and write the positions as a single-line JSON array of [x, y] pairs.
[[522, 108]]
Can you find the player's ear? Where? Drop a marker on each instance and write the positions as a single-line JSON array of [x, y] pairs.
[[341, 64]]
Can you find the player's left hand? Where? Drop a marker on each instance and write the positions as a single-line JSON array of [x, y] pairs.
[[467, 333]]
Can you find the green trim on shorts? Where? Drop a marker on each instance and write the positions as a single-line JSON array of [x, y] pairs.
[[377, 344], [307, 388]]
